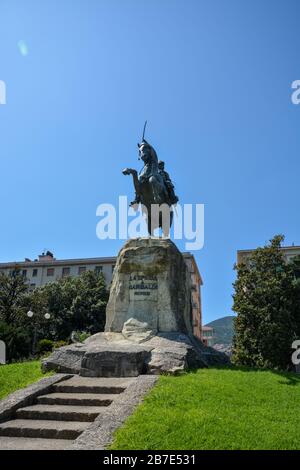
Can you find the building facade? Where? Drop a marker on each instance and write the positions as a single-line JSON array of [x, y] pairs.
[[289, 252], [46, 268], [196, 284], [207, 335]]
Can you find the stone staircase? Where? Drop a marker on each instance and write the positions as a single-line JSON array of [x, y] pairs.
[[59, 417]]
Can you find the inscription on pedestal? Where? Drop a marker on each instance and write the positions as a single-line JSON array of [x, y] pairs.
[[143, 287]]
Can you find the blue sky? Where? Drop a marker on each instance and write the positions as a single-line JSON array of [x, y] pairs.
[[213, 79]]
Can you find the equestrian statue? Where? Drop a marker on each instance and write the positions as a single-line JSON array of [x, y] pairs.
[[153, 188]]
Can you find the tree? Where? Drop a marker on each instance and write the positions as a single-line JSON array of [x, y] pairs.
[[295, 266], [38, 324], [89, 306], [266, 322], [12, 291], [13, 331], [17, 340], [76, 303]]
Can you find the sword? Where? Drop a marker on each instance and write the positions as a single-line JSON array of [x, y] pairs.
[[143, 136], [144, 130]]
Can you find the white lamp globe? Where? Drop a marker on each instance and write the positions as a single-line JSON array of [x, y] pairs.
[[47, 316], [29, 314]]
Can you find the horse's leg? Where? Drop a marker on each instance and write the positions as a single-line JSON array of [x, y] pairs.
[[171, 218], [166, 230], [150, 231], [149, 221], [165, 227], [136, 183], [157, 190]]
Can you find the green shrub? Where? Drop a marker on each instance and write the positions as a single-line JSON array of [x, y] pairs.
[[18, 341], [44, 346], [59, 344], [83, 336], [79, 336]]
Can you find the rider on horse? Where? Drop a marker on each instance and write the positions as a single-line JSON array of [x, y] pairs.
[[153, 185], [168, 182], [153, 171]]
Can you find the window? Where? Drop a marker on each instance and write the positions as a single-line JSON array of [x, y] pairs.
[[34, 272], [24, 272], [13, 272], [65, 272], [207, 334], [81, 269], [98, 269], [50, 272]]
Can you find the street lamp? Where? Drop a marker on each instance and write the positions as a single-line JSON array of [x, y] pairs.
[[30, 314]]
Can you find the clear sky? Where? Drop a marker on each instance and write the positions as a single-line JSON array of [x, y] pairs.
[[212, 77]]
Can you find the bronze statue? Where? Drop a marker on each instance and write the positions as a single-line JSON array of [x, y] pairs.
[[152, 185], [168, 182]]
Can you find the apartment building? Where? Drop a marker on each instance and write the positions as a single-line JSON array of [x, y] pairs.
[[207, 335], [289, 252]]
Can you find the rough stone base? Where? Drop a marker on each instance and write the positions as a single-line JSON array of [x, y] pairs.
[[112, 355], [113, 360]]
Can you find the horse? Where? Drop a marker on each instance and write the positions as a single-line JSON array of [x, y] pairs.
[[151, 190]]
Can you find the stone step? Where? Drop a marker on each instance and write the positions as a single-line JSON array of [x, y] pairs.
[[101, 385], [59, 412], [27, 443], [43, 428], [81, 399]]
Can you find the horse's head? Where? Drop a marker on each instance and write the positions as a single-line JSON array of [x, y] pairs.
[[147, 153]]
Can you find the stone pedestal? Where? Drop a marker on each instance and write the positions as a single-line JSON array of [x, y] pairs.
[[151, 284], [148, 320]]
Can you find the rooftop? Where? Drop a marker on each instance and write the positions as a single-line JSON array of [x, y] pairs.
[[284, 248], [48, 259]]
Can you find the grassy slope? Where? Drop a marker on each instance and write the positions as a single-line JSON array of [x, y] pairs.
[[18, 375], [217, 409]]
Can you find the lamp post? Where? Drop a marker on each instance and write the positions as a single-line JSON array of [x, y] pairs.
[[30, 314]]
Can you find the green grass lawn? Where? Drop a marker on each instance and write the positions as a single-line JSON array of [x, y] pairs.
[[217, 409], [19, 375]]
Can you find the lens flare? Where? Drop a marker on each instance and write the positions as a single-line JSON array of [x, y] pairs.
[[23, 48]]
